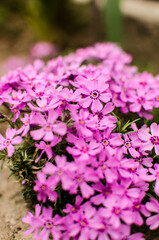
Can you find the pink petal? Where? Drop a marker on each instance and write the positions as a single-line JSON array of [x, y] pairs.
[[85, 102], [154, 129], [10, 150], [135, 107], [86, 190], [153, 222], [156, 189], [60, 128], [156, 149], [96, 106], [10, 133], [48, 136], [37, 134], [17, 140], [105, 97]]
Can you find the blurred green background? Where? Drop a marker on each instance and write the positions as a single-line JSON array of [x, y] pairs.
[[74, 23]]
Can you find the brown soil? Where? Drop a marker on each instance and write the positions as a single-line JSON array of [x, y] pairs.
[[12, 209]]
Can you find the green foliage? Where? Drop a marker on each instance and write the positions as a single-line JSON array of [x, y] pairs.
[[113, 20]]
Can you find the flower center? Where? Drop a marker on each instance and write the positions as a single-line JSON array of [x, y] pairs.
[[132, 170], [143, 83], [7, 142], [83, 222], [43, 187], [139, 160], [60, 172], [157, 175], [84, 149], [128, 144], [154, 140], [95, 94], [81, 122], [105, 142], [79, 179], [74, 209], [116, 211], [26, 123], [47, 128], [141, 100], [106, 191], [100, 115], [137, 207], [48, 224], [103, 166]]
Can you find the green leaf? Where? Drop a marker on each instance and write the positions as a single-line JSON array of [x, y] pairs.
[[128, 124]]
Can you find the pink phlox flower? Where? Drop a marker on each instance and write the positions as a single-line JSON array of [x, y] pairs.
[[35, 222], [145, 161], [49, 125], [107, 231], [51, 225], [136, 236], [139, 208], [141, 98], [104, 192], [29, 76], [10, 81], [104, 118], [72, 209], [117, 209], [63, 171], [47, 147], [16, 97], [131, 143], [72, 135], [45, 188], [116, 100], [153, 206], [83, 151], [46, 103], [150, 140], [126, 189], [155, 177], [85, 223], [106, 167], [146, 114], [26, 125], [43, 49], [156, 98], [38, 64], [63, 99], [91, 73], [109, 140], [93, 94], [142, 185], [16, 111], [129, 169], [9, 141], [42, 105], [38, 90], [118, 84], [143, 128], [84, 122], [81, 177], [58, 69]]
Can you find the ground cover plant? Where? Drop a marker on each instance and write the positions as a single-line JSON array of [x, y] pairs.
[[84, 143]]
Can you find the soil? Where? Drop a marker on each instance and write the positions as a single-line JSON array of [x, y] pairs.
[[12, 208]]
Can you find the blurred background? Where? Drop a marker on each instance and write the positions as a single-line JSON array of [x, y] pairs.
[[70, 24]]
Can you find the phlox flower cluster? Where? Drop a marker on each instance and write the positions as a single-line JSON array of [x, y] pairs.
[[92, 177]]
